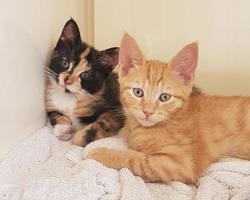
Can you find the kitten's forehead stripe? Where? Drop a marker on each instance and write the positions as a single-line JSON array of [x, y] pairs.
[[71, 65], [148, 75], [83, 64], [85, 53], [160, 79], [81, 67], [155, 72]]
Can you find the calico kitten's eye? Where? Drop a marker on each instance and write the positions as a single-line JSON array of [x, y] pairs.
[[65, 64], [165, 97], [138, 92], [84, 75]]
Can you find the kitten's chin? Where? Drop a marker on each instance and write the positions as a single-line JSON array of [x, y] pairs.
[[146, 123]]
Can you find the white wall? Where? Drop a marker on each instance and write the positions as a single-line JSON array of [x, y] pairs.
[[163, 27], [28, 30]]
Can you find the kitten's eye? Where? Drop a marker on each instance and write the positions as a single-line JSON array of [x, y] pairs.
[[165, 97], [84, 75], [65, 64], [138, 92]]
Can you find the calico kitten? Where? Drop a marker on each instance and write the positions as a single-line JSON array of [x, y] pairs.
[[172, 135], [82, 91]]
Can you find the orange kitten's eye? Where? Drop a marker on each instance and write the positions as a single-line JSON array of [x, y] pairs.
[[165, 97], [138, 92], [65, 64]]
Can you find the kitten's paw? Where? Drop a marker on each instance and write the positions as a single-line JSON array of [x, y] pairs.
[[101, 155], [84, 136], [63, 131], [98, 153], [111, 158]]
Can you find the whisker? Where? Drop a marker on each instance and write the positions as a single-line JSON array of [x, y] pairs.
[[50, 73], [171, 122]]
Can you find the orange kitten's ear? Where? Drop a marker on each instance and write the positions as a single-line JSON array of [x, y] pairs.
[[184, 63], [129, 55]]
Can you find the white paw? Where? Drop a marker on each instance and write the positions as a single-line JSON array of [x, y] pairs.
[[63, 131]]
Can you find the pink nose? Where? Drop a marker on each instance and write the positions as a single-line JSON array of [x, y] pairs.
[[147, 113], [68, 81]]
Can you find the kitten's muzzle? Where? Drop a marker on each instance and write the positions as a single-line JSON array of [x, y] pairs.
[[68, 80], [147, 113]]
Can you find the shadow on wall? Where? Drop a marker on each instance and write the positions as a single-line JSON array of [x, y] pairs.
[[23, 79], [22, 83]]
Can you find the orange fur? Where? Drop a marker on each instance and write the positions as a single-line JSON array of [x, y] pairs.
[[184, 135]]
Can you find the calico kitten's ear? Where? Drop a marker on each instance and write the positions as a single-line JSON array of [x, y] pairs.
[[70, 33], [130, 55], [109, 57], [184, 63]]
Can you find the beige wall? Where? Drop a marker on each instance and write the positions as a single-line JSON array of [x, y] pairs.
[[29, 29], [162, 27]]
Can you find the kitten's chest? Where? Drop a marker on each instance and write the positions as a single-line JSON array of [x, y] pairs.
[[151, 140], [60, 101], [64, 102], [140, 139]]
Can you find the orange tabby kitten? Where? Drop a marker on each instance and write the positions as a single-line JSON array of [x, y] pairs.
[[172, 135]]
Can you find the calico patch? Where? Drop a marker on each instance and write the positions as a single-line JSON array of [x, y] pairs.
[[82, 86]]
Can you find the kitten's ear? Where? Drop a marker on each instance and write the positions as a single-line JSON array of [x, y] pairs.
[[184, 63], [130, 55], [70, 33], [109, 58]]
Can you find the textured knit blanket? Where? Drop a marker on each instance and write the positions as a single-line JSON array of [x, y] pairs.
[[43, 168]]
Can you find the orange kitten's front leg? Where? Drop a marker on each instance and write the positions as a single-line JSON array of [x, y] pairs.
[[136, 161], [111, 158], [150, 168]]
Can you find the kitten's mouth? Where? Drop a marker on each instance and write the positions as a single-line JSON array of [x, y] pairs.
[[145, 122]]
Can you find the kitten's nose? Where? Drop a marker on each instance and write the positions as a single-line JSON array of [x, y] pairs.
[[68, 81], [66, 78], [147, 113]]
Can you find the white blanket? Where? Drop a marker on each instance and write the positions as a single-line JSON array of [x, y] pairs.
[[43, 168]]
